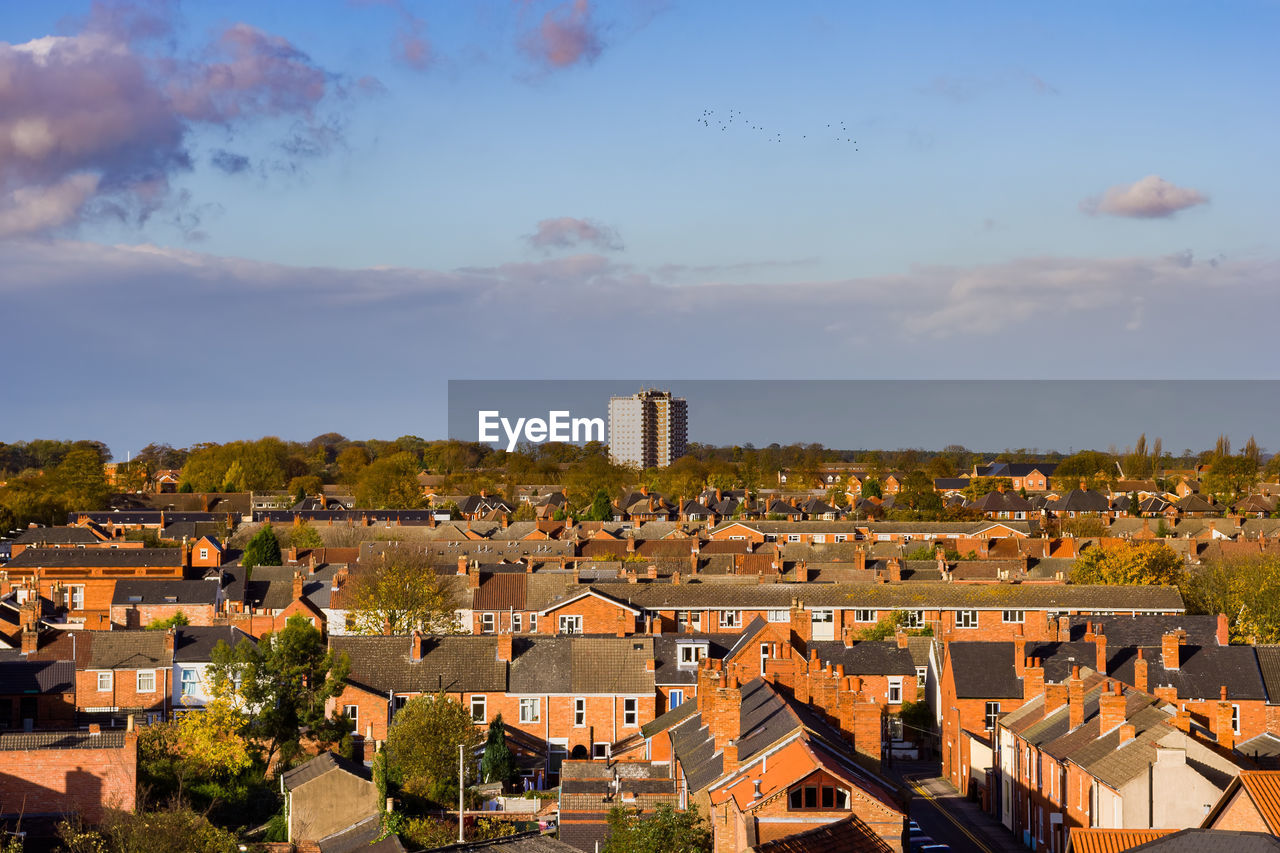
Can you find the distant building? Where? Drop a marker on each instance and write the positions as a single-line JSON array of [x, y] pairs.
[[649, 429]]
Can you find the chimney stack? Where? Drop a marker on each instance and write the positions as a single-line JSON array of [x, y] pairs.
[[1223, 730], [1224, 633], [1169, 648], [297, 586], [1100, 649], [1140, 673], [415, 646], [1033, 682], [902, 638], [506, 647], [1019, 651], [1111, 708], [462, 564], [895, 570], [1075, 699], [1055, 695]]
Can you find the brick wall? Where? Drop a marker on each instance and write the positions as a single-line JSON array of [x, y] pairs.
[[598, 617], [142, 615], [70, 781], [123, 692]]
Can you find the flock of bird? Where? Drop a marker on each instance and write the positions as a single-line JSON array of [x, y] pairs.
[[735, 120]]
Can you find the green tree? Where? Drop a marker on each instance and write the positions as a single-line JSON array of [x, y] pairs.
[[176, 619], [422, 747], [400, 592], [498, 764], [79, 480], [872, 489], [262, 550], [601, 508], [390, 483], [1094, 468], [585, 478], [1246, 589], [1148, 563], [282, 682], [663, 830], [174, 830], [305, 536]]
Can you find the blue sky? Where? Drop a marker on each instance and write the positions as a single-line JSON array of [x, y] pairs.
[[416, 191]]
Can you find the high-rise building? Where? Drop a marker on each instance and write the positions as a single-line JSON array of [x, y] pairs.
[[649, 429]]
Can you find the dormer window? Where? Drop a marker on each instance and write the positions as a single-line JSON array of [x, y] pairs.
[[691, 653]]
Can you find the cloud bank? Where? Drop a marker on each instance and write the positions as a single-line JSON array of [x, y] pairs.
[[566, 35]]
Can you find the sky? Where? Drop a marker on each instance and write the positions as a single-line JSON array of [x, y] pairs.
[[228, 220]]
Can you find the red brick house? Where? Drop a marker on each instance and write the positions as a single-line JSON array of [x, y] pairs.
[[56, 773]]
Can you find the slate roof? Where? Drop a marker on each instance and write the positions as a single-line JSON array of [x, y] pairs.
[[195, 644], [31, 677], [500, 591], [583, 665], [984, 670], [868, 658], [1199, 840], [96, 558], [666, 655], [164, 591], [1081, 500], [454, 663], [127, 649], [1269, 664], [23, 741], [322, 764], [57, 535], [526, 842], [1147, 630]]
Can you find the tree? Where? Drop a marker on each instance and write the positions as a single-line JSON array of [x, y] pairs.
[[498, 764], [209, 742], [178, 618], [1148, 563], [305, 536], [584, 479], [80, 481], [601, 508], [174, 830], [664, 830], [872, 489], [1247, 590], [262, 550], [390, 483], [1094, 468], [282, 683], [422, 746], [401, 592]]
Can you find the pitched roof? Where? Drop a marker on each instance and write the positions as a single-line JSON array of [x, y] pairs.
[[60, 535], [96, 557], [984, 670], [1199, 840], [194, 644], [128, 649], [454, 663], [500, 591], [24, 741], [1263, 787], [30, 677], [324, 763], [1269, 663], [163, 591], [849, 834], [1112, 840]]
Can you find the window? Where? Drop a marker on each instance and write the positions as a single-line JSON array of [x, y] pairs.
[[570, 624], [600, 750], [840, 537], [204, 553], [691, 653], [533, 623], [922, 676], [1235, 719], [966, 619], [818, 538], [1015, 616], [104, 682], [479, 709], [190, 682], [730, 618], [677, 699], [826, 797], [75, 597], [352, 713], [688, 620], [992, 715], [515, 623], [630, 713], [530, 710], [779, 616], [146, 681], [913, 618], [793, 537], [579, 712], [864, 616], [895, 690], [486, 623], [766, 652]]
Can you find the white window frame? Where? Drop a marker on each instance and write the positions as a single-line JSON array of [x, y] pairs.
[[730, 618], [352, 713], [579, 712], [630, 713], [570, 623], [689, 654], [893, 695], [778, 616], [675, 699], [913, 618], [840, 537], [533, 623], [991, 717], [688, 618], [1235, 718], [480, 703], [793, 537], [922, 676], [516, 623], [865, 615], [1016, 617], [966, 619], [139, 675], [204, 553], [488, 623], [600, 750], [75, 596], [531, 710], [193, 682], [105, 681]]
